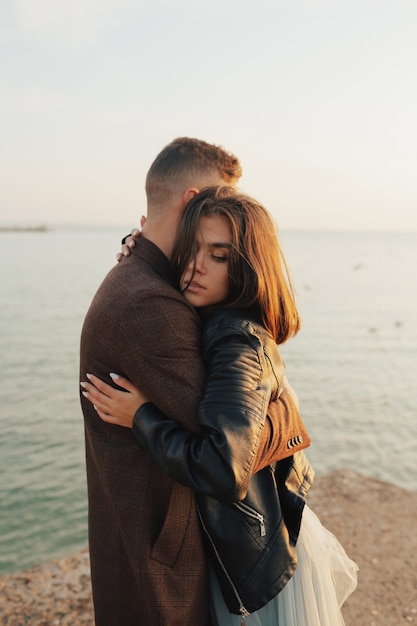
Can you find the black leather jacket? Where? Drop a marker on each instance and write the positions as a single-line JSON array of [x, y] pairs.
[[244, 371]]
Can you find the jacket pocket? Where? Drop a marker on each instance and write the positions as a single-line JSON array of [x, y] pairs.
[[252, 515], [167, 546]]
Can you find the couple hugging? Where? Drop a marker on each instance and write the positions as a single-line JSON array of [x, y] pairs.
[[196, 474]]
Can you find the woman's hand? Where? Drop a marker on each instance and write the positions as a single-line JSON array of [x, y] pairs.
[[130, 241], [112, 405]]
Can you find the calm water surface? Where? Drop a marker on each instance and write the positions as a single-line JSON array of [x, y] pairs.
[[354, 366]]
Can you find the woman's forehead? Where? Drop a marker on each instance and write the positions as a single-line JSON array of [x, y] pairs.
[[213, 229]]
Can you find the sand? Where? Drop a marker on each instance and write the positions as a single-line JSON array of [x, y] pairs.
[[376, 522]]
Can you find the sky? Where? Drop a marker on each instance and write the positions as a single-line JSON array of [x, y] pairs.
[[318, 99]]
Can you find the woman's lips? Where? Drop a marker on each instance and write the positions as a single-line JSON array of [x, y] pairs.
[[193, 286]]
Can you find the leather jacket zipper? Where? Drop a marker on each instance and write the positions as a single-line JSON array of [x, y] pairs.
[[244, 612], [253, 513]]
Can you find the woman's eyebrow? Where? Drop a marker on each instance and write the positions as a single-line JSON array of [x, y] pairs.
[[221, 245]]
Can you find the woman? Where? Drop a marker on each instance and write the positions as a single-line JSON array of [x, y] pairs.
[[229, 265]]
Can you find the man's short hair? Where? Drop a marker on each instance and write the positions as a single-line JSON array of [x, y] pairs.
[[188, 162]]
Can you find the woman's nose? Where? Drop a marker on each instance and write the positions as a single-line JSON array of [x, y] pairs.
[[198, 263]]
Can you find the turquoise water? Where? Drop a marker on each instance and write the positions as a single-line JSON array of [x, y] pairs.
[[354, 366]]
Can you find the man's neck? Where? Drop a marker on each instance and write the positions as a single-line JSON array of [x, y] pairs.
[[161, 233]]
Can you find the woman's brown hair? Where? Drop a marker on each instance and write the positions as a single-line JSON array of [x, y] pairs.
[[258, 271]]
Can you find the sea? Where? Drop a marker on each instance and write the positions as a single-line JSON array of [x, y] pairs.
[[353, 366]]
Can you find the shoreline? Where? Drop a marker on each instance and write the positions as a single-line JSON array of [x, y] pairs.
[[375, 521], [24, 229]]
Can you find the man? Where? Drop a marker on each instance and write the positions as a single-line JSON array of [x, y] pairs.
[[147, 558]]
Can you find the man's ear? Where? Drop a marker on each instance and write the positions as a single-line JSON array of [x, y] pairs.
[[189, 194]]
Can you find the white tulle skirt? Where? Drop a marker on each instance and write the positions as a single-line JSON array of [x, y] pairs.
[[324, 578]]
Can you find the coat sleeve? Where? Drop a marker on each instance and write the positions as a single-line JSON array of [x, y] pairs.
[[219, 461]]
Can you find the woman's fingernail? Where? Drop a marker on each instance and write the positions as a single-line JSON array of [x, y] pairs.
[[114, 376], [82, 385], [85, 394], [88, 376]]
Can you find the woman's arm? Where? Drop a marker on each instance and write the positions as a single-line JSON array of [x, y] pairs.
[[231, 416], [283, 433], [238, 439]]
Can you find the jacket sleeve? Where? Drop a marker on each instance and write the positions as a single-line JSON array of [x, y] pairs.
[[219, 462], [283, 434]]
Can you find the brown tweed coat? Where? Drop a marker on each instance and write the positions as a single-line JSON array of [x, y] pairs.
[[147, 559]]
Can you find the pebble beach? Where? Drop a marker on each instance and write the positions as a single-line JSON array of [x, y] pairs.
[[374, 520]]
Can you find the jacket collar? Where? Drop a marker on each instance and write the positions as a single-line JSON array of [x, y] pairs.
[[149, 253]]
